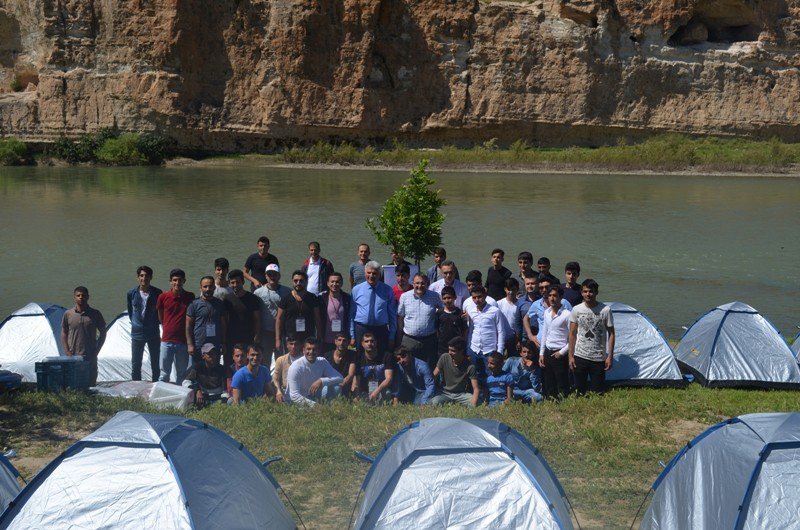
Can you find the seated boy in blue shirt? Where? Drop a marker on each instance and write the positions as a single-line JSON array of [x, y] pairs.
[[500, 384], [253, 379], [526, 373]]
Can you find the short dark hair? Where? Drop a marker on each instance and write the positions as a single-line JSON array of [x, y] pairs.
[[207, 278], [439, 251], [315, 243], [447, 263], [545, 278], [458, 343], [499, 251], [512, 283], [496, 356], [529, 273], [527, 256], [367, 334], [236, 273], [147, 270], [339, 274], [448, 289], [478, 289], [590, 284], [311, 339], [80, 289], [474, 276], [177, 272], [573, 266], [257, 347], [402, 268], [341, 334], [240, 346], [527, 345], [557, 287], [291, 336], [543, 261], [263, 239], [401, 350], [222, 263], [298, 272]]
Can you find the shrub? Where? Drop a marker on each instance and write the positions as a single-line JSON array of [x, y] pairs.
[[155, 148], [122, 151], [12, 152]]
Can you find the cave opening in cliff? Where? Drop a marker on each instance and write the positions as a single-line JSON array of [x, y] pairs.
[[10, 40], [719, 21]]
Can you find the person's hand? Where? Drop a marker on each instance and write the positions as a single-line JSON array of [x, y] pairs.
[[257, 283], [374, 395], [279, 396], [315, 387], [199, 398], [541, 361], [572, 364], [609, 362], [277, 345], [536, 341], [191, 349]]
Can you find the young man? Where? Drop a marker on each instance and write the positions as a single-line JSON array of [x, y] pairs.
[[591, 340], [207, 377], [312, 379], [239, 360], [555, 343], [334, 311], [253, 380], [487, 330], [172, 306], [533, 322], [572, 289], [221, 288], [357, 267], [257, 263], [294, 351], [530, 295], [544, 270], [401, 273], [144, 323], [526, 373], [435, 272], [343, 361], [497, 275], [373, 309], [499, 383], [83, 331], [459, 378], [270, 295], [448, 271], [414, 380], [508, 309], [244, 314], [525, 264], [416, 321], [375, 372], [317, 269], [450, 321], [298, 312], [205, 321]]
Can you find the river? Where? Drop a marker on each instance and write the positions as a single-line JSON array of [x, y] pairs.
[[672, 246]]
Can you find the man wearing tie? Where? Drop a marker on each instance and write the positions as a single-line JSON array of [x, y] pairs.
[[373, 309]]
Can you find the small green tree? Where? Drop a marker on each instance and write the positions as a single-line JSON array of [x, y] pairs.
[[410, 222]]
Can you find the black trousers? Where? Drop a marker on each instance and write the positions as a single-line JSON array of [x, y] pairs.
[[555, 375], [137, 353], [589, 375]]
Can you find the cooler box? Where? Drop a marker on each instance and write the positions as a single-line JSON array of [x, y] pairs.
[[57, 373]]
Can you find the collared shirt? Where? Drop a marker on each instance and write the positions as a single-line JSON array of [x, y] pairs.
[[510, 317], [525, 377], [419, 312], [555, 330], [462, 293], [302, 374], [417, 378], [488, 333], [523, 305], [537, 310], [373, 306], [81, 329], [269, 304]]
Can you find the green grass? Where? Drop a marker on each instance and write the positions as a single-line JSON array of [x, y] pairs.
[[668, 152], [605, 450]]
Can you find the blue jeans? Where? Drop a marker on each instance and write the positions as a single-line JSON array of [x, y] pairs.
[[330, 392], [527, 396], [177, 352]]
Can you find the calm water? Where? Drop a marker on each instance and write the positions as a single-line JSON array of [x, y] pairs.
[[671, 246]]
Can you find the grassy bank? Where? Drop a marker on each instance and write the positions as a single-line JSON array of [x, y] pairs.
[[668, 152], [604, 449]]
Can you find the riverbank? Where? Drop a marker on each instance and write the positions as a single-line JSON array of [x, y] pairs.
[[606, 467]]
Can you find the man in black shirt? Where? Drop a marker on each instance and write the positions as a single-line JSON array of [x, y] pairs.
[[298, 312], [450, 321], [497, 275], [572, 289], [256, 265], [244, 315], [544, 269], [343, 361], [207, 377]]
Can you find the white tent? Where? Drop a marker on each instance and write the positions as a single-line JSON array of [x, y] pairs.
[[743, 473], [642, 356], [149, 471], [796, 345], [449, 473], [733, 345], [114, 358], [28, 335], [9, 487]]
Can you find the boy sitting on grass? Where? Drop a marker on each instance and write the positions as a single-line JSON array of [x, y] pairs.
[[526, 373], [499, 383]]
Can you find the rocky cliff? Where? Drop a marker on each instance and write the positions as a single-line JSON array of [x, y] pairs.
[[250, 74]]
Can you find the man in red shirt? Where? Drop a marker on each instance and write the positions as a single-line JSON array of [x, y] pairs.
[[171, 308]]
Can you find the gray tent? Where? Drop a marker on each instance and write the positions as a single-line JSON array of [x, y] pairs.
[[796, 345], [733, 345], [642, 356], [9, 487], [449, 473], [149, 471], [28, 335], [743, 473]]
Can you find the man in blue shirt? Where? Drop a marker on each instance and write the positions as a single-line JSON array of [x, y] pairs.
[[144, 323], [253, 379], [373, 308], [413, 379]]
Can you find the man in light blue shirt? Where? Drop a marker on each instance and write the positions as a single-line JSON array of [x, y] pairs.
[[416, 321], [413, 380], [373, 308]]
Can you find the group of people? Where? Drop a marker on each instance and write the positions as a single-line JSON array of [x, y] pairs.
[[401, 335]]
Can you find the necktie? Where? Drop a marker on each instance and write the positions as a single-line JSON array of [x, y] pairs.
[[371, 321]]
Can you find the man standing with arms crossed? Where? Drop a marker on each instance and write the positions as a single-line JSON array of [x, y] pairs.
[[591, 330], [172, 307], [144, 323], [83, 331]]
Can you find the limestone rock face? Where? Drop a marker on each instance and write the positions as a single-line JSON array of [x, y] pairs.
[[238, 75]]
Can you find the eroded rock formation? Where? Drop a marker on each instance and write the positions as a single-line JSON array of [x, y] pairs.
[[247, 74]]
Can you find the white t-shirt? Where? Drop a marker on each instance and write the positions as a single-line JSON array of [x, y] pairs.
[[313, 277], [593, 326], [510, 316]]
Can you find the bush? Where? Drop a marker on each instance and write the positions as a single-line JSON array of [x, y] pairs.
[[84, 149], [154, 148], [122, 151], [13, 152]]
